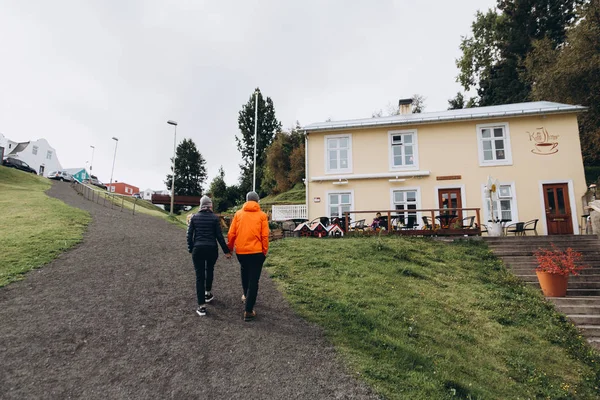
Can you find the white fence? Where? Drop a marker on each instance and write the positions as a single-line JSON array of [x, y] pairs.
[[284, 213]]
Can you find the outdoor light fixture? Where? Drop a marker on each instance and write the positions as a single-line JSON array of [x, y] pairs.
[[171, 122], [341, 182]]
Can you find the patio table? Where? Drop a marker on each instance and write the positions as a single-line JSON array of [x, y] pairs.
[[445, 219]]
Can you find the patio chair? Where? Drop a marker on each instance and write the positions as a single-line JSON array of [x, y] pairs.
[[358, 225], [467, 222], [426, 223], [517, 228], [530, 226]]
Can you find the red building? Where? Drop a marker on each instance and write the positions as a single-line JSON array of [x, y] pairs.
[[122, 188]]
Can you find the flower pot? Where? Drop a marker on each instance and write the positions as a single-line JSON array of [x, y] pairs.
[[553, 285], [494, 229]]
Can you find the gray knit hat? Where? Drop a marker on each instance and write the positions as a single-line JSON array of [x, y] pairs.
[[252, 196], [205, 202]]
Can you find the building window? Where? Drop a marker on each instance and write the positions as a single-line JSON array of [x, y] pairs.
[[128, 190], [112, 189], [34, 150], [49, 155], [338, 153], [494, 144], [339, 203], [405, 200], [504, 205], [403, 149]]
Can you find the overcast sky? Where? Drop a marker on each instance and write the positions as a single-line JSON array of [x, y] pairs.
[[80, 72]]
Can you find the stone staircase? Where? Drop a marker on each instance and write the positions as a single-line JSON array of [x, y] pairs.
[[582, 303]]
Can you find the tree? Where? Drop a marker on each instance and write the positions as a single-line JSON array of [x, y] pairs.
[[190, 170], [266, 128], [571, 74], [457, 102], [418, 103], [493, 57], [283, 168], [218, 191]]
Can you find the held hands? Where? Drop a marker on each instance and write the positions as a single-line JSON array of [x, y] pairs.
[[228, 256]]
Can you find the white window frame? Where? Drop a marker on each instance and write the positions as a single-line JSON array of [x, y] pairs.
[[417, 189], [34, 150], [507, 146], [514, 209], [49, 155], [338, 170], [338, 192], [415, 145]]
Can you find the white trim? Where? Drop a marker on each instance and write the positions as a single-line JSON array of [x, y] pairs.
[[507, 148], [328, 192], [370, 176], [572, 205], [515, 202], [408, 189], [339, 170], [415, 146], [306, 173]]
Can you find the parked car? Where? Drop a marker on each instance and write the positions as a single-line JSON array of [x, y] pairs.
[[137, 195], [18, 164], [94, 181], [60, 176]]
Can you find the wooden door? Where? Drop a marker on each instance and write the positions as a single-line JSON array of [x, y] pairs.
[[450, 198], [558, 209]]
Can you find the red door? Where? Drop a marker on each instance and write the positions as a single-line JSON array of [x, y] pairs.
[[450, 198], [558, 209]]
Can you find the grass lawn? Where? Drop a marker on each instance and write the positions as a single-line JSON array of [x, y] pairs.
[[296, 195], [419, 319], [35, 228]]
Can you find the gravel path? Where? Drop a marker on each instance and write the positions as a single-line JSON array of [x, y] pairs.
[[114, 318]]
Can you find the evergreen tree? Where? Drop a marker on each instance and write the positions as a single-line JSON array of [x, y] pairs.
[[282, 169], [190, 170], [266, 128], [218, 191]]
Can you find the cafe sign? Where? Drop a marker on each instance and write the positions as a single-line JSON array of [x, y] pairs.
[[544, 143]]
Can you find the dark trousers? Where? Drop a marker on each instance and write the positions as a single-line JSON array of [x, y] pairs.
[[204, 258], [251, 267]]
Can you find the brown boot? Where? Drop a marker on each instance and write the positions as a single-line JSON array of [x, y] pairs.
[[249, 316]]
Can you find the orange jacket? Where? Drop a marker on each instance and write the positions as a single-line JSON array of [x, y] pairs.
[[249, 230]]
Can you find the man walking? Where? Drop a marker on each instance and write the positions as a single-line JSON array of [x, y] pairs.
[[204, 231], [249, 235]]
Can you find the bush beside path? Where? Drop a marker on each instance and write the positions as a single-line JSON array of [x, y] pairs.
[[114, 318]]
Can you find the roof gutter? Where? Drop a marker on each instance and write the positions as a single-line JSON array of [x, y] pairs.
[[395, 175]]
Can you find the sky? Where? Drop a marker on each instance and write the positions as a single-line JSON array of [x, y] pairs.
[[78, 73]]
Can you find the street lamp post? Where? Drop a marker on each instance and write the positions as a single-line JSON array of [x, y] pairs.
[[113, 167], [92, 162], [170, 122], [255, 137]]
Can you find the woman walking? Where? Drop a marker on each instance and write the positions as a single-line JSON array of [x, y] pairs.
[[204, 231]]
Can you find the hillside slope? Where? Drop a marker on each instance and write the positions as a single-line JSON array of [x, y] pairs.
[[35, 228], [420, 319]]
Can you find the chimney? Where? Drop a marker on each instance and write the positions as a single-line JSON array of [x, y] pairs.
[[405, 106]]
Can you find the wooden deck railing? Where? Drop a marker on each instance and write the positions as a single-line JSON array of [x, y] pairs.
[[436, 227]]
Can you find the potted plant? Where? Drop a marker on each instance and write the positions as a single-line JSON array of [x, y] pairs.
[[554, 268]]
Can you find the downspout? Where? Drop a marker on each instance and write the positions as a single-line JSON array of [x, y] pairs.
[[306, 171]]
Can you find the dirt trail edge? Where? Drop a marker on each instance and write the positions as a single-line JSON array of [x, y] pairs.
[[114, 318]]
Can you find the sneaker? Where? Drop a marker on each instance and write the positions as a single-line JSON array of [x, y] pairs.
[[243, 298], [249, 316], [208, 296], [201, 311]]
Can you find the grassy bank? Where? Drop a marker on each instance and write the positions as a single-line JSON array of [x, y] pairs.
[[419, 319], [296, 195], [34, 227]]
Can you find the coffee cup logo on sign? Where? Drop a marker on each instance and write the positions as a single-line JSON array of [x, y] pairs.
[[544, 143]]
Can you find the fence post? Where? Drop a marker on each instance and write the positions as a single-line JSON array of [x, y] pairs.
[[122, 202], [134, 203], [389, 221]]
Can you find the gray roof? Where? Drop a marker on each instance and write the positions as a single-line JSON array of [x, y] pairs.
[[506, 110], [73, 171], [18, 148]]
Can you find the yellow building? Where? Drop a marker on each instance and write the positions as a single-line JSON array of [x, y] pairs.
[[443, 159]]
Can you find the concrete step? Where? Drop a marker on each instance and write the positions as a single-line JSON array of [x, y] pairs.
[[585, 319], [579, 309], [528, 277], [591, 300], [574, 285], [583, 292], [586, 273], [530, 250], [590, 331], [540, 238], [586, 254]]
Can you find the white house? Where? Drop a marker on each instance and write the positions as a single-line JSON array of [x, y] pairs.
[[6, 146], [38, 154], [147, 194]]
